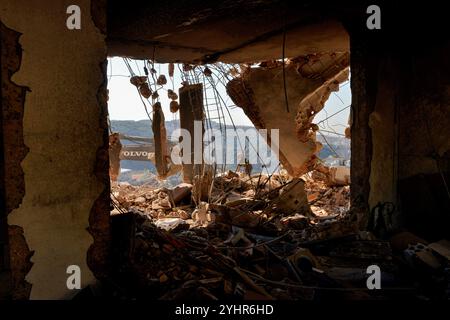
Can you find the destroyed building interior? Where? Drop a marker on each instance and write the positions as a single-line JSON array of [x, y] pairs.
[[304, 231]]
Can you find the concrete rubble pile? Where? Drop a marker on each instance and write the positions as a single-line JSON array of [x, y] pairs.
[[326, 199], [290, 235], [256, 239]]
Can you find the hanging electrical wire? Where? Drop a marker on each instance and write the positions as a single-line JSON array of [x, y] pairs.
[[214, 78], [235, 129], [332, 115], [329, 145], [133, 74]]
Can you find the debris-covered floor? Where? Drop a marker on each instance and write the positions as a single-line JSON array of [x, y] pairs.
[[254, 240]]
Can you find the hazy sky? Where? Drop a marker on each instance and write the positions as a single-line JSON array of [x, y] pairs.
[[124, 102]]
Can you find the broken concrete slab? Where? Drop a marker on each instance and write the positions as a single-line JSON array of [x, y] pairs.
[[260, 92], [162, 202], [420, 255], [442, 248], [296, 222], [171, 224], [339, 176], [293, 199], [181, 192], [404, 239]]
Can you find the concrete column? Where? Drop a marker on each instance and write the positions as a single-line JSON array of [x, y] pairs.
[[160, 136], [191, 109], [114, 156]]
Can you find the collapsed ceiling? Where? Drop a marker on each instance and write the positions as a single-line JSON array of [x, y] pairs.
[[227, 31], [241, 32]]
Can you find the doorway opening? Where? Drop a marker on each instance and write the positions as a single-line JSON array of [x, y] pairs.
[[235, 204]]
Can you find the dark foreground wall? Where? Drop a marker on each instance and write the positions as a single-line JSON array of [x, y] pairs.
[[401, 109], [55, 147]]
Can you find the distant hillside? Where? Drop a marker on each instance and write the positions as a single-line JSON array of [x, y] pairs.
[[340, 144], [143, 128]]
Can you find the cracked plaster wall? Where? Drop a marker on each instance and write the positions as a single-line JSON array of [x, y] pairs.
[[63, 129]]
